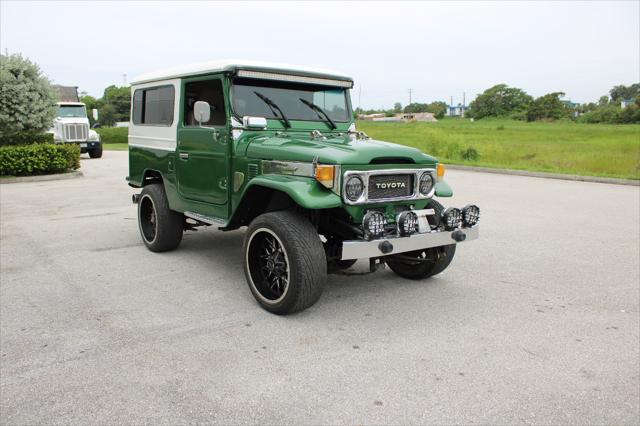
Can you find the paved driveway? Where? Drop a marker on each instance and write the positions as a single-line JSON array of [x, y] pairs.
[[536, 322]]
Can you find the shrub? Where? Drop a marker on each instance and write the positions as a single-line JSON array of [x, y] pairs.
[[25, 138], [38, 159], [27, 100], [470, 154], [604, 114], [113, 134]]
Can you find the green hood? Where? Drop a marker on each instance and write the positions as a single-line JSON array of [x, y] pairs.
[[334, 150]]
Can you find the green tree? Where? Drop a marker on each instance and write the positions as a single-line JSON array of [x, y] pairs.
[[397, 107], [91, 103], [27, 100], [120, 99], [499, 101], [416, 107], [108, 115], [604, 100], [548, 107], [622, 92], [438, 109]]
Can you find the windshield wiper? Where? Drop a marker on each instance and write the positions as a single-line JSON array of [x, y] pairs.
[[319, 110], [272, 105]]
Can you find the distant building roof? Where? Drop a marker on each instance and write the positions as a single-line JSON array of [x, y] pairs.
[[67, 93]]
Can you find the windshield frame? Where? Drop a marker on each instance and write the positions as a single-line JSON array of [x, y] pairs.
[[284, 84], [76, 106]]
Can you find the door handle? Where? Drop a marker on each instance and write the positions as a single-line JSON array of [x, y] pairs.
[[184, 155]]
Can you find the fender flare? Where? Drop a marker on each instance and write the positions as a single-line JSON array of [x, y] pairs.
[[304, 191]]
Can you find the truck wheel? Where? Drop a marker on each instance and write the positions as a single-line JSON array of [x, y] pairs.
[[341, 265], [284, 262], [160, 228], [96, 152], [420, 264], [428, 262]]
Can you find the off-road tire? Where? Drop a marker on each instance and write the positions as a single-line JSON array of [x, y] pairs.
[[302, 252], [167, 224], [437, 258], [96, 152]]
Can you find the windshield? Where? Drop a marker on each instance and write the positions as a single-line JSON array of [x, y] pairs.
[[72, 111], [247, 100]]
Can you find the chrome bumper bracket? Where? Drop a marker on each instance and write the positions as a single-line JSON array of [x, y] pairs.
[[359, 249]]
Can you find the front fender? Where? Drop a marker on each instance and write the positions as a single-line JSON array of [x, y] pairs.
[[443, 189], [306, 192]]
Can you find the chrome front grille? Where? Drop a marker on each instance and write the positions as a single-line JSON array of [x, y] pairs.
[[390, 186], [76, 132]]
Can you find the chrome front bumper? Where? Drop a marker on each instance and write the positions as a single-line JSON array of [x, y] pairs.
[[360, 249]]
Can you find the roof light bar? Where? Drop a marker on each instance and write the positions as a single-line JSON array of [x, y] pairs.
[[295, 78]]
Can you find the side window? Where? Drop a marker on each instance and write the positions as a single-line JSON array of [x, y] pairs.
[[138, 106], [154, 106], [209, 91]]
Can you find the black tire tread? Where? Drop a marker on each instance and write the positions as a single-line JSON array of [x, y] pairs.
[[96, 152], [170, 224], [308, 265], [417, 272]]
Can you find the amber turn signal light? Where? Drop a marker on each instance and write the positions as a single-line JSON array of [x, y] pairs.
[[325, 174], [440, 171]]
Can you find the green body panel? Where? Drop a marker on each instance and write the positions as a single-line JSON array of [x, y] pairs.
[[306, 192], [222, 168], [443, 189], [336, 149]]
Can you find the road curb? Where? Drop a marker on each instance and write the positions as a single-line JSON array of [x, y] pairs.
[[596, 179], [41, 178]]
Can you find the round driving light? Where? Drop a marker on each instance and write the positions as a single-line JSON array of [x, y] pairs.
[[354, 188], [373, 224], [426, 183], [452, 218], [470, 215], [407, 223]]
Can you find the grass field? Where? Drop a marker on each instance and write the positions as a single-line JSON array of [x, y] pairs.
[[559, 147]]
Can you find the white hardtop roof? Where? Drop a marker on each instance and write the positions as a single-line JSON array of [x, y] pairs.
[[70, 103], [233, 65]]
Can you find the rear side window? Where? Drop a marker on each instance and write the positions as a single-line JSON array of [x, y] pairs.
[[154, 106]]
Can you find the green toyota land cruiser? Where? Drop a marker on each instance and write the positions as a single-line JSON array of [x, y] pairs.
[[275, 148]]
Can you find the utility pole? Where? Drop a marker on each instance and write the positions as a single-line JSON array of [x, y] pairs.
[[410, 90], [124, 79], [359, 96], [463, 105], [451, 107]]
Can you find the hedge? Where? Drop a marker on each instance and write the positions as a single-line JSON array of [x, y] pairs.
[[113, 134], [38, 159], [25, 138]]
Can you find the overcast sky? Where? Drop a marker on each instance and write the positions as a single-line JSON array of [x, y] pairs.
[[437, 49]]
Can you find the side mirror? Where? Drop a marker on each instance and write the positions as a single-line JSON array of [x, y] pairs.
[[254, 122], [201, 112]]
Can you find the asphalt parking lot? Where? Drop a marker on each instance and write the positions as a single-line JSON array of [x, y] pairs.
[[535, 322]]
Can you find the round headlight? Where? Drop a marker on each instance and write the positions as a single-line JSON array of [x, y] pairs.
[[452, 218], [354, 188], [470, 215], [426, 183], [373, 224], [407, 223]]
